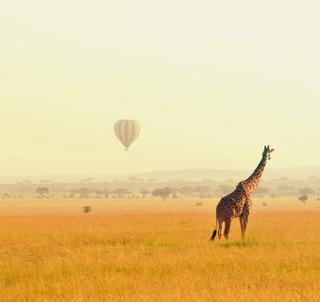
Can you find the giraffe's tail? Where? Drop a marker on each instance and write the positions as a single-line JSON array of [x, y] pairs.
[[214, 232]]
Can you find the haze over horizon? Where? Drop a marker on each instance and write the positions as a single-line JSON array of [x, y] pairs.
[[293, 174], [209, 82]]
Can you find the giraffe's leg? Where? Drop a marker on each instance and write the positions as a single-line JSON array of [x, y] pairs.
[[227, 224], [243, 232], [243, 223], [220, 223]]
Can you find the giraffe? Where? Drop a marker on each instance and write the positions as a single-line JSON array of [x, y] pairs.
[[238, 203]]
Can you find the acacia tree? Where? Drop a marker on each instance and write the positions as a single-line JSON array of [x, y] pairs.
[[164, 193], [303, 198], [42, 192]]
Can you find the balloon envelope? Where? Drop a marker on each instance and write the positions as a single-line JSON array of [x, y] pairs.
[[127, 131]]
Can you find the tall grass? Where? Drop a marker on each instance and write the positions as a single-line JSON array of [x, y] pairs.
[[158, 257]]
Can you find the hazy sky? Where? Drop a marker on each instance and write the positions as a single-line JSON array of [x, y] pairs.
[[210, 82]]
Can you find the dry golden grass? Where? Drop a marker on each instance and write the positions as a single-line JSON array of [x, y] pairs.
[[138, 252]]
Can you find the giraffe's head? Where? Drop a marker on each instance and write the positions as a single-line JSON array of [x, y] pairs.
[[267, 151]]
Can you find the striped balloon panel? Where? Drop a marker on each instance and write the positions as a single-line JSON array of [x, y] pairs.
[[127, 131]]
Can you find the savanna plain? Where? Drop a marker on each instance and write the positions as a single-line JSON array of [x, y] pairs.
[[151, 250]]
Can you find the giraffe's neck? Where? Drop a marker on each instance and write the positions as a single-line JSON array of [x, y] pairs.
[[252, 182]]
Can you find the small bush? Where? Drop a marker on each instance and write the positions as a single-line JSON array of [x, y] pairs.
[[87, 209]]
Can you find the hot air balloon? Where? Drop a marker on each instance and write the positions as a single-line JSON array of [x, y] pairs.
[[127, 131]]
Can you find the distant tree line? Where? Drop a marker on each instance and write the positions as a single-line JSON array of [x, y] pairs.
[[135, 187]]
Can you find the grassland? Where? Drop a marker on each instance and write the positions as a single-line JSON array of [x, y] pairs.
[[149, 250]]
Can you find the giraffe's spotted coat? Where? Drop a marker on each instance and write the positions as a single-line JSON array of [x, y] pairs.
[[239, 203]]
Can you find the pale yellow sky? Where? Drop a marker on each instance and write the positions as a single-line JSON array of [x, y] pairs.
[[210, 82]]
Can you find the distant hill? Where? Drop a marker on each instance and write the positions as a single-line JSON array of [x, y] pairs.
[[220, 174]]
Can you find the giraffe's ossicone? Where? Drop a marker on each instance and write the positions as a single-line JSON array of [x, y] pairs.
[[238, 203]]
